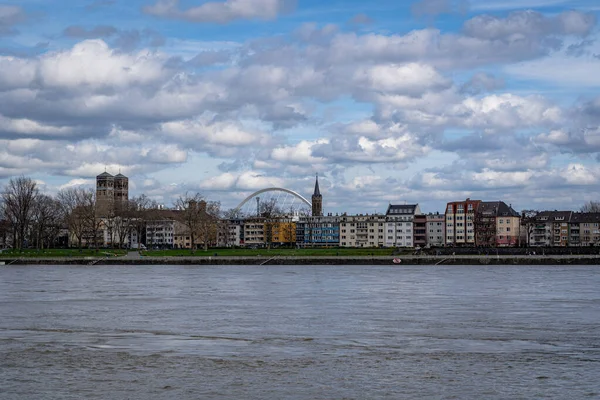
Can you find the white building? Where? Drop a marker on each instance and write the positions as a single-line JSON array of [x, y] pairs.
[[399, 225], [159, 233], [436, 229]]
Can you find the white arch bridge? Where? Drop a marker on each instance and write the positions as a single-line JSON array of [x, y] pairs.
[[284, 199]]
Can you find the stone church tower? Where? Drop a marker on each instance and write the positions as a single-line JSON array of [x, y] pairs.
[[317, 200], [112, 192]]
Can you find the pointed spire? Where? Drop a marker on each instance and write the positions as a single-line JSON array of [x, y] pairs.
[[317, 191]]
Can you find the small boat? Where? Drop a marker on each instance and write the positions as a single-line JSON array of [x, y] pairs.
[[397, 261]]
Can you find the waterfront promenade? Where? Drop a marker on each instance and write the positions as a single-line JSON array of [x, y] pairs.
[[134, 258]]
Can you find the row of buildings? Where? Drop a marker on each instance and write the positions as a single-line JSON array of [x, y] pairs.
[[463, 223], [468, 223]]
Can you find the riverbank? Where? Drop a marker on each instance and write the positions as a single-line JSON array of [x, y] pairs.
[[136, 259]]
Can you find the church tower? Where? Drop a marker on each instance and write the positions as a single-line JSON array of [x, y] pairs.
[[317, 200]]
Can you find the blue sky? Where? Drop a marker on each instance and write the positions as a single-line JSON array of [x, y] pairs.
[[423, 102]]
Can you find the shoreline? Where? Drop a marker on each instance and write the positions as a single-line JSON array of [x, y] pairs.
[[308, 260]]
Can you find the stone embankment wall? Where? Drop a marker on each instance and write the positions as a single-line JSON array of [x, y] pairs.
[[339, 260]]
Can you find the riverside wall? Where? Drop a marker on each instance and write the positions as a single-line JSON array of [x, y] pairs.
[[321, 260]]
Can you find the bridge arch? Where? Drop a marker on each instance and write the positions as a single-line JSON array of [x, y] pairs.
[[274, 189]]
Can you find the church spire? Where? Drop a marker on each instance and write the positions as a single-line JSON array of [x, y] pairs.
[[317, 191], [317, 200]]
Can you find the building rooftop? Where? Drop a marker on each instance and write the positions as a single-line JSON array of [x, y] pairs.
[[497, 208], [401, 209]]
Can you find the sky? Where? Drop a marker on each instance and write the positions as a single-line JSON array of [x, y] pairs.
[[388, 101]]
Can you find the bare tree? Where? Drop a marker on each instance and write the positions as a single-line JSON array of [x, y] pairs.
[[591, 207], [485, 229], [5, 227], [288, 231], [141, 208], [122, 223], [528, 222], [46, 221], [74, 203], [233, 213], [18, 197], [271, 214], [200, 217]]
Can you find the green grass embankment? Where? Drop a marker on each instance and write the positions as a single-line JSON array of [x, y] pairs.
[[46, 253], [270, 252]]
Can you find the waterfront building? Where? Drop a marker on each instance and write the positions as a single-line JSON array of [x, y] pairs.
[[230, 232], [436, 232], [362, 230], [254, 232], [282, 230], [160, 233], [584, 229], [460, 222], [551, 228], [318, 231], [398, 226], [497, 224], [420, 230]]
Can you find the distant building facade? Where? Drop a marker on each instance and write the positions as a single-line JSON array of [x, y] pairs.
[[362, 230], [318, 231], [497, 224], [460, 222], [111, 193], [398, 227], [436, 229]]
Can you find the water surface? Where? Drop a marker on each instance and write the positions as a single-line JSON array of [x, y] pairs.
[[299, 332]]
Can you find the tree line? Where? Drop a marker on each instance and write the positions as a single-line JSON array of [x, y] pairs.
[[35, 220]]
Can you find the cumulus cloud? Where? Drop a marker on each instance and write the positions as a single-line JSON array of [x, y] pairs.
[[301, 153], [410, 79], [221, 12]]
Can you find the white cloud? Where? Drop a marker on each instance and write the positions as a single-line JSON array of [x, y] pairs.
[[226, 133], [77, 182], [579, 174], [411, 79], [301, 153], [93, 64]]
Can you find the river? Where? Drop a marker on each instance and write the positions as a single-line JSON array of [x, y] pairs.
[[299, 332]]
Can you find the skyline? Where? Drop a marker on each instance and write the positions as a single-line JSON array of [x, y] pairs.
[[424, 102]]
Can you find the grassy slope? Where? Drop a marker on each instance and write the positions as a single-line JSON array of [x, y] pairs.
[[271, 252], [61, 253]]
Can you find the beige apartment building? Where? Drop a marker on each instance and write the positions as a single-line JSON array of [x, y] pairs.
[[362, 230]]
